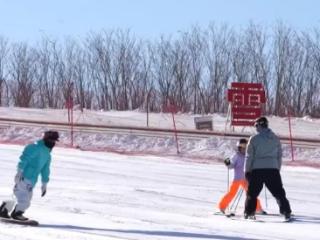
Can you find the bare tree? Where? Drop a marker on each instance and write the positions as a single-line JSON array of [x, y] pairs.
[[281, 53], [83, 91], [48, 80], [116, 70], [181, 75], [162, 68], [4, 50], [66, 72], [99, 49], [258, 53], [218, 58], [22, 73], [195, 43], [311, 82], [142, 85]]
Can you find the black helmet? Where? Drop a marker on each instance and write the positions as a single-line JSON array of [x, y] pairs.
[[51, 135], [242, 142], [262, 122]]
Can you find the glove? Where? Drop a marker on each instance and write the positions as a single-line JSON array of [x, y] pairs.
[[227, 161], [43, 189], [18, 177]]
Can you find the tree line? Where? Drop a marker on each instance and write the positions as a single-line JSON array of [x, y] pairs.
[[116, 70]]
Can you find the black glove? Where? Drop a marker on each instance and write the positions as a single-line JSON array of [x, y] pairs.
[[43, 189], [227, 161], [248, 175]]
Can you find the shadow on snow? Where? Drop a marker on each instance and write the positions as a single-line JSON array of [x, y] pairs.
[[145, 232], [298, 218]]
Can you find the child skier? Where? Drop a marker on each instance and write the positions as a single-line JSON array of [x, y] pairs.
[[239, 180], [34, 161]]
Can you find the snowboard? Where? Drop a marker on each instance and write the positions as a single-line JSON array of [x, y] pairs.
[[28, 222]]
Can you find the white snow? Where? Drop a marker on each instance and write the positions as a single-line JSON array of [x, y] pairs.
[[199, 149], [103, 195]]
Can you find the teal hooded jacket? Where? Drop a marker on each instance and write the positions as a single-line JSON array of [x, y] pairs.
[[35, 160]]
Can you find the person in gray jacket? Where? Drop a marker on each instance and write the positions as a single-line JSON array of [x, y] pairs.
[[262, 166]]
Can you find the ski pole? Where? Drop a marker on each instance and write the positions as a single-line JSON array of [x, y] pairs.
[[240, 195], [265, 196], [228, 181], [236, 201]]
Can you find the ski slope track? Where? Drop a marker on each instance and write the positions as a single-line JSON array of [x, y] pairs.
[[108, 196]]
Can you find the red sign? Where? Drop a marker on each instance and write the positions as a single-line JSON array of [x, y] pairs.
[[246, 100]]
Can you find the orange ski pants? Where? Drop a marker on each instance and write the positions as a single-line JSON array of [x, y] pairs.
[[236, 184]]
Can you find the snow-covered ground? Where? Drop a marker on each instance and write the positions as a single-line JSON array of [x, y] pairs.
[[301, 127], [103, 195], [204, 149], [111, 196]]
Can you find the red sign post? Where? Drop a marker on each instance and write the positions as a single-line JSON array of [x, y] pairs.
[[246, 101], [171, 108]]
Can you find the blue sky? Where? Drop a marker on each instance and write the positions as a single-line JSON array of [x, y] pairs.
[[28, 20]]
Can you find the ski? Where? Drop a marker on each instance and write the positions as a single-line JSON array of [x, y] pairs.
[[230, 215], [246, 220], [263, 219], [291, 219], [219, 213]]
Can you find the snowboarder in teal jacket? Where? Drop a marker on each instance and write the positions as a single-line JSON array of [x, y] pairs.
[[34, 161]]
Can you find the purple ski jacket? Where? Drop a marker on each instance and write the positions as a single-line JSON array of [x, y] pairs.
[[237, 163]]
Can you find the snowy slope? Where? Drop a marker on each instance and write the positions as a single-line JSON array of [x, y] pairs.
[[301, 127], [205, 149], [93, 196]]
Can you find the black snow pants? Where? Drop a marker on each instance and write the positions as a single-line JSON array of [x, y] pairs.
[[272, 179]]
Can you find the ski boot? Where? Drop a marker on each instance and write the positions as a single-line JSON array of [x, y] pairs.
[[287, 217], [18, 215], [249, 217], [4, 211]]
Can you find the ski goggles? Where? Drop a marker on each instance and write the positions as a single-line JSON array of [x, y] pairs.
[[242, 145]]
